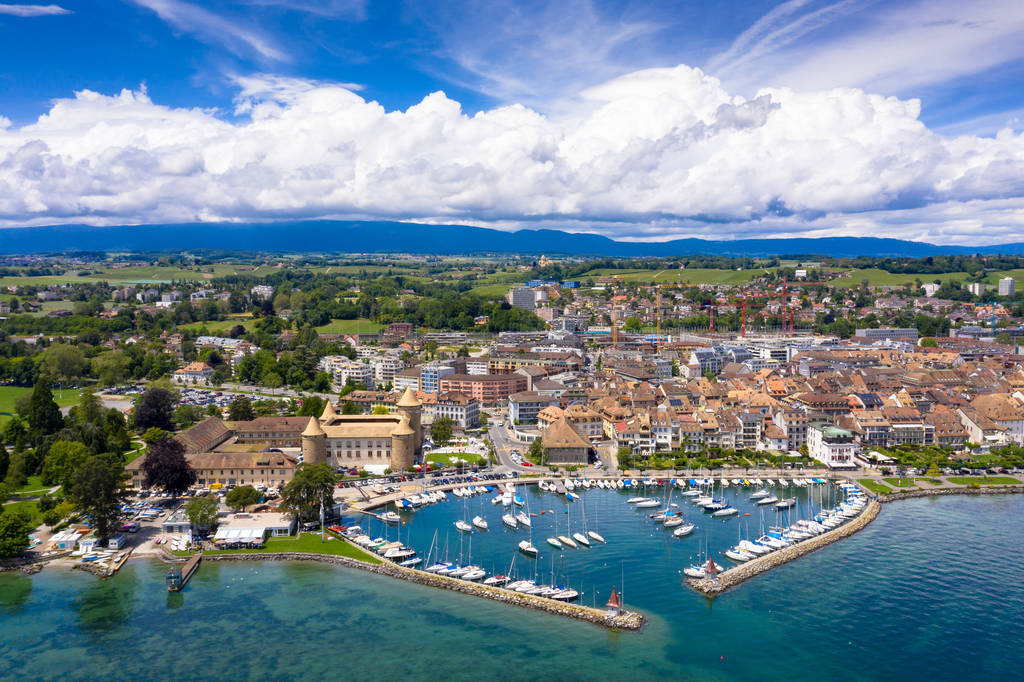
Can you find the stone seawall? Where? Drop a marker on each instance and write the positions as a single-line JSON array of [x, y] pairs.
[[966, 490], [627, 620], [734, 576]]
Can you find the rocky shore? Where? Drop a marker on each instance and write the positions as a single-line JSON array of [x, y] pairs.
[[963, 490], [734, 576], [626, 620]]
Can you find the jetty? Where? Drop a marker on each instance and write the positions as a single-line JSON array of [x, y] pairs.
[[178, 577]]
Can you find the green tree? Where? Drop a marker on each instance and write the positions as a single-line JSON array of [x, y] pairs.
[[441, 431], [928, 342], [202, 512], [380, 409], [44, 417], [165, 467], [241, 410], [15, 526], [537, 453], [62, 461], [632, 324], [155, 407], [273, 381], [154, 434], [241, 497], [1004, 338], [64, 362], [311, 486], [97, 489], [312, 406], [350, 408]]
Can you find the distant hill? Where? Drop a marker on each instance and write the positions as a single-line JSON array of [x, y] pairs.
[[326, 236]]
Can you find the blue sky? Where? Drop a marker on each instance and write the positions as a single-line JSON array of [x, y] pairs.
[[696, 71]]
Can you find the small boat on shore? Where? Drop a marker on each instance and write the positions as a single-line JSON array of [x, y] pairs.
[[496, 580]]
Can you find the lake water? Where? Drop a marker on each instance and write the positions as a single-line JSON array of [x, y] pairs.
[[933, 589]]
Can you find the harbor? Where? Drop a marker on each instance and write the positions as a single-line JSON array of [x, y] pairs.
[[575, 539]]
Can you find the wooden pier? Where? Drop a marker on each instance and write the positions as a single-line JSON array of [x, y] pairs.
[[177, 578]]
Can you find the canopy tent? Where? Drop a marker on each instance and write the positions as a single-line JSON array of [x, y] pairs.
[[240, 535]]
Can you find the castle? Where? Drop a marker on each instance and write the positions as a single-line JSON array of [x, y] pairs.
[[361, 439]]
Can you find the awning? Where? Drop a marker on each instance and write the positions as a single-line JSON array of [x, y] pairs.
[[240, 535]]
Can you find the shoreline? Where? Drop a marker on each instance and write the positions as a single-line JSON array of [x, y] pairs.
[[630, 621]]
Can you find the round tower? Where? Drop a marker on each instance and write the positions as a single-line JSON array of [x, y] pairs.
[[409, 406], [328, 412], [403, 446], [314, 443]]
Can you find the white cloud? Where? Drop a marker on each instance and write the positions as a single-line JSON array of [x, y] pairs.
[[654, 154], [215, 29], [33, 10], [894, 48]]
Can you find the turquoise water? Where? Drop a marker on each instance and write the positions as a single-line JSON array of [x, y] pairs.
[[933, 589]]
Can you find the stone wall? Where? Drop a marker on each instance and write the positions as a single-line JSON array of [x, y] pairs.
[[965, 490], [734, 576], [625, 621]]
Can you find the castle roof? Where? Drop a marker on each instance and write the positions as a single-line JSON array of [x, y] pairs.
[[409, 399], [313, 428]]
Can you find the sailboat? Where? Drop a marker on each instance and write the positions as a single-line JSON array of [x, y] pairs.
[[480, 522], [526, 547], [510, 521], [524, 519], [463, 526]]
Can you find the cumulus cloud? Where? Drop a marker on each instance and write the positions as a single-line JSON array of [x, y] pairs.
[[654, 154], [32, 10]]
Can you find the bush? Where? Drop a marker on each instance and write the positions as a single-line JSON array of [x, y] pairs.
[[51, 517]]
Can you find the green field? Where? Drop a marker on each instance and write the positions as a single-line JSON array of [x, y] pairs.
[[491, 291], [445, 459], [687, 276], [358, 326], [900, 482], [307, 542], [9, 394], [215, 327], [983, 480], [875, 487]]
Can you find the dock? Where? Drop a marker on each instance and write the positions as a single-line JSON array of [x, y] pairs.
[[177, 577]]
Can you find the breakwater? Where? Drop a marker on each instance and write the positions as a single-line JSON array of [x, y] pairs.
[[963, 490], [626, 620], [734, 576]]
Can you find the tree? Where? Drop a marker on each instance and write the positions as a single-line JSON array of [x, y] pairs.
[[312, 406], [64, 363], [380, 409], [241, 497], [97, 489], [1004, 338], [538, 454], [155, 408], [927, 342], [15, 526], [165, 467], [273, 381], [310, 487], [349, 408], [202, 512], [44, 417], [152, 435], [62, 461], [240, 410], [441, 431]]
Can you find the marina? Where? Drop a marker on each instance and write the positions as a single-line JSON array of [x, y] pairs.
[[568, 528], [888, 605]]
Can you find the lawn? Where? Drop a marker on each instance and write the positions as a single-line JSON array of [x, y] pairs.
[[307, 542], [34, 485], [983, 480], [445, 458], [357, 326], [900, 482], [29, 506], [9, 394], [215, 327], [491, 291], [875, 487], [687, 276]]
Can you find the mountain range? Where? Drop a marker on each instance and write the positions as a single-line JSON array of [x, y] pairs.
[[342, 236]]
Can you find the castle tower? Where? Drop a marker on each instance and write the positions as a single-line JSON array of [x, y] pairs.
[[409, 406], [403, 446], [314, 443], [328, 412]]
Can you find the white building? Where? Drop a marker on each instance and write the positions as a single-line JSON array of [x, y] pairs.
[[343, 370], [193, 374], [460, 408], [832, 446], [262, 291], [1006, 286]]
